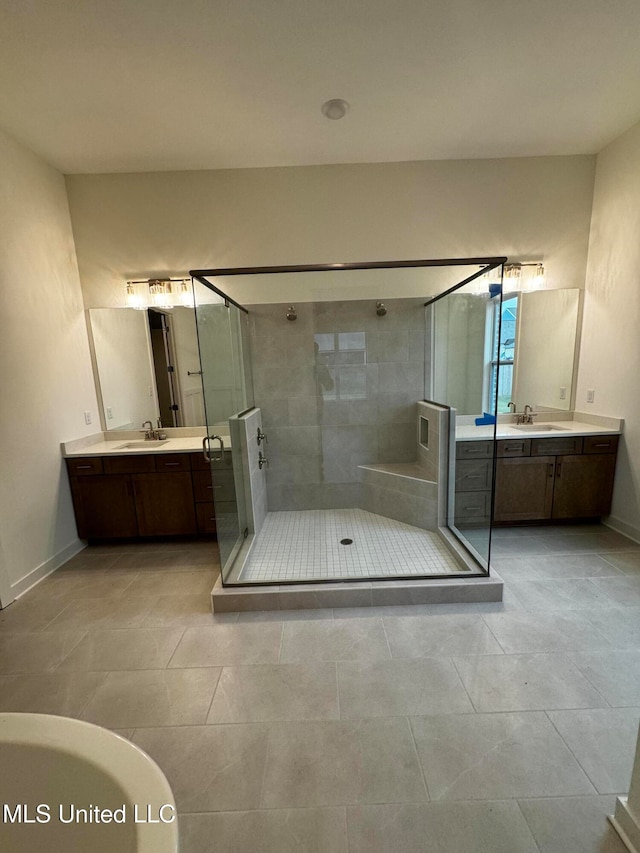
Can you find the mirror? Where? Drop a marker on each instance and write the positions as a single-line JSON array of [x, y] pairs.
[[133, 352], [533, 342]]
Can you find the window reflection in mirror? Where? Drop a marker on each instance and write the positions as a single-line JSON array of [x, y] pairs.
[[534, 346]]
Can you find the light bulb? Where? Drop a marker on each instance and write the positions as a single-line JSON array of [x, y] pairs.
[[186, 294], [538, 277], [134, 300], [160, 293]]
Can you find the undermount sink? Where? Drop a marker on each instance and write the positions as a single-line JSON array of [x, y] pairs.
[[539, 427], [140, 445]]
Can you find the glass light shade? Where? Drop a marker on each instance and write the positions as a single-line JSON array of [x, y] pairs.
[[160, 293], [538, 279], [134, 300], [186, 293]]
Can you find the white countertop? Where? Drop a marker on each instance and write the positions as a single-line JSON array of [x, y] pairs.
[[564, 428], [98, 446]]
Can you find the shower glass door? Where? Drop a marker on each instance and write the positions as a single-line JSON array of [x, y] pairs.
[[227, 391], [469, 344]]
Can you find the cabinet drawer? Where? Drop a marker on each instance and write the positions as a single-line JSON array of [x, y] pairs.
[[556, 446], [172, 462], [474, 449], [601, 443], [473, 506], [473, 476], [202, 486], [222, 488], [143, 464], [206, 518], [227, 511], [514, 447], [81, 467]]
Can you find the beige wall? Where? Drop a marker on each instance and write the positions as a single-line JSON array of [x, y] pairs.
[[154, 224], [610, 350], [47, 382]]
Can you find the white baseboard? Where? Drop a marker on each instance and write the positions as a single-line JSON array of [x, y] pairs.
[[44, 569], [630, 530], [626, 825]]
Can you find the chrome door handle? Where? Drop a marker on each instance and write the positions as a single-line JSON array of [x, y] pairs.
[[206, 448]]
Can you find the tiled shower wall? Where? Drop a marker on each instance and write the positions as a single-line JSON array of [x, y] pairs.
[[337, 388]]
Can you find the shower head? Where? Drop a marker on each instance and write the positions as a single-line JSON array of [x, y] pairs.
[[380, 309], [292, 313]]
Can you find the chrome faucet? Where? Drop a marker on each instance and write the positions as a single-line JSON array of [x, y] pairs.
[[526, 416], [149, 434], [512, 407]]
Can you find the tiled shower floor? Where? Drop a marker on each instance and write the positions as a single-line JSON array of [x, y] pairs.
[[305, 545]]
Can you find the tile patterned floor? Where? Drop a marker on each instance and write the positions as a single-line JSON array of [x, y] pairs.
[[305, 545], [483, 728]]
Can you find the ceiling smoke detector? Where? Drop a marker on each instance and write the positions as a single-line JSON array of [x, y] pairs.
[[335, 108]]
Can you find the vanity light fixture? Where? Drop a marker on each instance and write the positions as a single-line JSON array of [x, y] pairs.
[[159, 293], [516, 279], [513, 273]]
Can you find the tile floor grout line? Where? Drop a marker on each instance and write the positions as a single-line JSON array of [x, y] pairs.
[[493, 634], [461, 680], [72, 649], [105, 675], [171, 656], [586, 677], [574, 756], [336, 665], [266, 764], [281, 645], [417, 754], [386, 637], [213, 695], [524, 818]]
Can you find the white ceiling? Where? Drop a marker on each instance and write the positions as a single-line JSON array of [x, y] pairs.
[[142, 85]]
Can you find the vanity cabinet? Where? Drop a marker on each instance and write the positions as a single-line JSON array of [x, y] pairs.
[[524, 488], [564, 477], [167, 494], [104, 506], [164, 504]]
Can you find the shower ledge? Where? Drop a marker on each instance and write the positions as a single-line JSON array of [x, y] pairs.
[[472, 589]]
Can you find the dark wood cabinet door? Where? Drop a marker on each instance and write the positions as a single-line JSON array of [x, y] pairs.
[[583, 485], [164, 504], [104, 506], [524, 488]]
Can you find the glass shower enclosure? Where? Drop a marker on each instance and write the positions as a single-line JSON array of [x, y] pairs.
[[222, 328], [368, 378]]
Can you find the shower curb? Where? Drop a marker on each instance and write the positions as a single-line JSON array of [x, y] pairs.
[[357, 594]]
